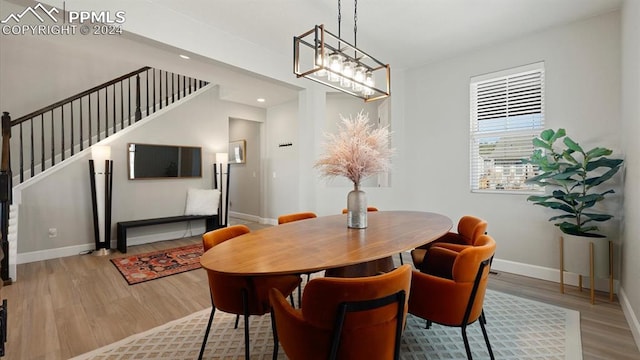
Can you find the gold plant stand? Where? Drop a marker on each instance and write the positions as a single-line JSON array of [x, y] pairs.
[[591, 271]]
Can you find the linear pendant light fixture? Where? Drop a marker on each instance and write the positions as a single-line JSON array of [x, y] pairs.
[[323, 57]]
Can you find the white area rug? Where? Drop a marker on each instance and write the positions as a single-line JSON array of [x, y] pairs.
[[518, 329]]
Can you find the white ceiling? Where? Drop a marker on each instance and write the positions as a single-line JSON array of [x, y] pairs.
[[403, 33]]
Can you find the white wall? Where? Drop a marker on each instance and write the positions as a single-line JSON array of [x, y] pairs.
[[631, 132], [345, 105], [281, 164], [582, 95]]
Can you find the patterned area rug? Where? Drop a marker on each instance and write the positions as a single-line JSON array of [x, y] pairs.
[[157, 264], [518, 329]]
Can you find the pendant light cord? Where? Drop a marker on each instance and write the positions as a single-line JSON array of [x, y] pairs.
[[339, 22], [355, 24]]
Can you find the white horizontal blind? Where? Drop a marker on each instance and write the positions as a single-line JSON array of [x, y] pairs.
[[507, 112]]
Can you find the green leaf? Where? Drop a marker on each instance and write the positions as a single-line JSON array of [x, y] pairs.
[[603, 162], [560, 133], [541, 144], [572, 145], [569, 228], [559, 194], [574, 229], [556, 205], [538, 178], [590, 197], [597, 217], [595, 181], [562, 217], [564, 197], [547, 134], [536, 198], [567, 174], [598, 152], [567, 156]]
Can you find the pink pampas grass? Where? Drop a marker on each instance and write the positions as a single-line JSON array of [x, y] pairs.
[[357, 151]]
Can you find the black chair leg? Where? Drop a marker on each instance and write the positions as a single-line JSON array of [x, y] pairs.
[[483, 319], [486, 340], [466, 343], [237, 321], [276, 343], [206, 333], [245, 306]]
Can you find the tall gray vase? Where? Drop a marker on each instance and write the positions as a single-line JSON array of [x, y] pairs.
[[357, 208]]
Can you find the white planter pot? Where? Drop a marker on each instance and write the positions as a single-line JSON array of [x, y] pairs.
[[576, 255]]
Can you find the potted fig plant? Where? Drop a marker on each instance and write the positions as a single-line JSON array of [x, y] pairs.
[[574, 177]]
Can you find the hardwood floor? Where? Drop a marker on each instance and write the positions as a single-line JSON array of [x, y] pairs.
[[65, 307]]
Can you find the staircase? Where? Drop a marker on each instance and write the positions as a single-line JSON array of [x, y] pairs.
[[43, 139]]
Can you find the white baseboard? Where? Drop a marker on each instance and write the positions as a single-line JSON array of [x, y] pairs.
[[549, 274], [48, 254], [632, 320], [254, 218]]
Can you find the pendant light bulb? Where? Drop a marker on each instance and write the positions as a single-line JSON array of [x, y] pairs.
[[358, 76], [321, 62], [335, 64], [348, 69], [369, 81]]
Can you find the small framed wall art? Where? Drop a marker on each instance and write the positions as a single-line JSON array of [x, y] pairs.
[[237, 152]]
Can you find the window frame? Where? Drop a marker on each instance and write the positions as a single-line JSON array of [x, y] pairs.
[[519, 127]]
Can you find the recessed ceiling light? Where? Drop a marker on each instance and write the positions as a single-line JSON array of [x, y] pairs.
[[261, 100], [184, 57]]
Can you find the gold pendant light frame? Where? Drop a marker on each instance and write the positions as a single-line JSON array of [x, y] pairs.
[[359, 77]]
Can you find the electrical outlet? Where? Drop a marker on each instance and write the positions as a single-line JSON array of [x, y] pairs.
[[53, 232]]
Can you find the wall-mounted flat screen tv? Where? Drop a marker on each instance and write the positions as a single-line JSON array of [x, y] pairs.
[[164, 161]]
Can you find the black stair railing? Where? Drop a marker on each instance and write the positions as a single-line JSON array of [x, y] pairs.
[[58, 131]]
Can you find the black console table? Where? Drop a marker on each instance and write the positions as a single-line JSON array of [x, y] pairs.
[[211, 224]]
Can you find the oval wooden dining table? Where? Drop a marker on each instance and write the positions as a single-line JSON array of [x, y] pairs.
[[326, 243]]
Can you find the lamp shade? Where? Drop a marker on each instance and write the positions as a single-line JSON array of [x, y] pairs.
[[222, 158], [100, 153]]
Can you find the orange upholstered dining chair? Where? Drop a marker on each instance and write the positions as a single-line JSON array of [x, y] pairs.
[[344, 318], [283, 219], [240, 294], [450, 290], [469, 229]]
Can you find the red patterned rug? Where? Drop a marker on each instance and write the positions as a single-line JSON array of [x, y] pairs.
[[154, 265]]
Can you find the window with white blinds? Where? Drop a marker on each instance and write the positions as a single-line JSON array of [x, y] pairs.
[[507, 112]]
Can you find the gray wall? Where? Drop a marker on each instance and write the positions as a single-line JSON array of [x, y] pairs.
[[630, 134]]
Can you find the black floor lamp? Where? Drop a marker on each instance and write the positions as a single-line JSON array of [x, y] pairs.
[[101, 176], [223, 211]]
